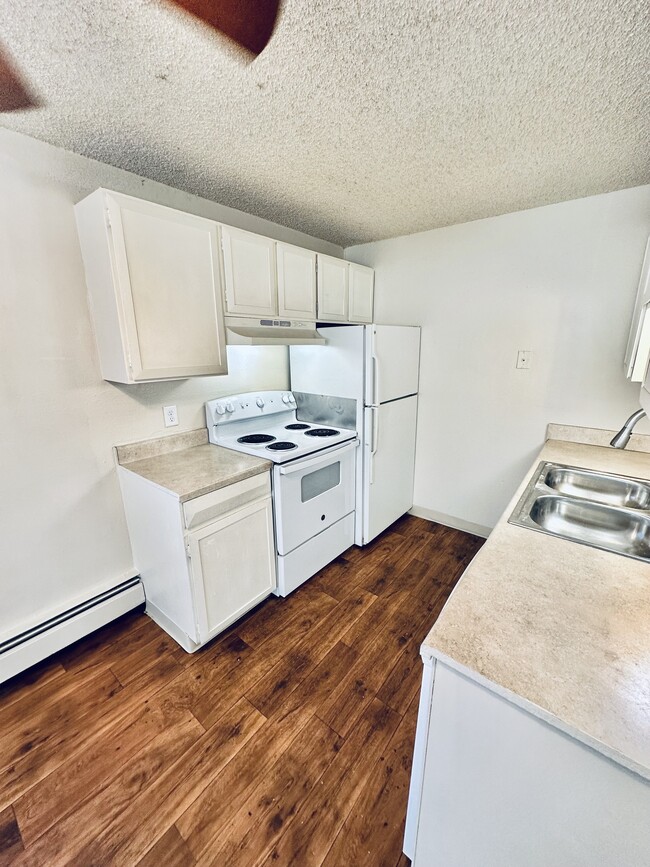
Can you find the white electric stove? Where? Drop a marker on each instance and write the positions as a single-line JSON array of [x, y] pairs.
[[313, 477]]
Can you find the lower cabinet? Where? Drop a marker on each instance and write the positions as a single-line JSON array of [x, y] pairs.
[[494, 786], [204, 563]]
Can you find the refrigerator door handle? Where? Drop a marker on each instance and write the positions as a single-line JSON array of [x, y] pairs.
[[375, 380], [375, 430], [374, 442]]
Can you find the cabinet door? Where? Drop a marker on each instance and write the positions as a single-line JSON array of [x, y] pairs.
[[332, 289], [361, 292], [166, 270], [249, 270], [233, 566], [296, 282]]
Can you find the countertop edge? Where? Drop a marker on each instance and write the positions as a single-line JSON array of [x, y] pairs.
[[240, 476]]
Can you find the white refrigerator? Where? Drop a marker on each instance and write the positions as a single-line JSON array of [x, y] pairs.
[[378, 366]]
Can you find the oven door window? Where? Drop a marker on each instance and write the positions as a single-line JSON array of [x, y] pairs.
[[317, 483]]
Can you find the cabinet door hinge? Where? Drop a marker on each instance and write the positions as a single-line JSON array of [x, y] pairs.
[[189, 550]]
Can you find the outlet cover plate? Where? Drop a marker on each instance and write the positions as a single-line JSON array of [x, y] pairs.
[[170, 415]]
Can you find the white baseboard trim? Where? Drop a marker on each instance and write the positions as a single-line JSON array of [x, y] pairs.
[[42, 641], [451, 521]]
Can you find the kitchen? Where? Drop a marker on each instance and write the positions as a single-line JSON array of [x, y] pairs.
[[557, 280]]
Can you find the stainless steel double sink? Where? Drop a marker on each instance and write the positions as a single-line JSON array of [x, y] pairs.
[[601, 510]]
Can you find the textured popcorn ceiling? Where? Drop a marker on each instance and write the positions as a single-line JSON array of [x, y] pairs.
[[362, 119]]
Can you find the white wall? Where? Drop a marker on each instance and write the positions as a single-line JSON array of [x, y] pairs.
[[62, 529], [559, 281]]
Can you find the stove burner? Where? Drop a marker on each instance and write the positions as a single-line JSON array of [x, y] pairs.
[[296, 427], [254, 439], [282, 446], [321, 432]]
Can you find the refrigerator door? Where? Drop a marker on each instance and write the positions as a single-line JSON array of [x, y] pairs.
[[389, 462], [392, 362]]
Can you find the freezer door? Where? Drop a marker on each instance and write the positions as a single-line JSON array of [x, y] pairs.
[[389, 462], [392, 362]]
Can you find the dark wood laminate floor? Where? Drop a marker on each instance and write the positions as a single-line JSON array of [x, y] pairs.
[[287, 741]]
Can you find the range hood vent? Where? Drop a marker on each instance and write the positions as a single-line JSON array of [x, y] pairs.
[[244, 331]]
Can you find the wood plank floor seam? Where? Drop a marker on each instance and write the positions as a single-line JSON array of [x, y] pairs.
[[286, 742]]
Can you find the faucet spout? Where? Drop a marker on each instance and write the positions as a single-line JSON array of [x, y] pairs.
[[622, 438]]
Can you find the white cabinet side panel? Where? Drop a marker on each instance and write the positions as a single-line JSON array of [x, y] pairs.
[[103, 301], [504, 789], [419, 757], [154, 519]]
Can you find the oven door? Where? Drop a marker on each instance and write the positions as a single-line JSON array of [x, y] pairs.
[[312, 494]]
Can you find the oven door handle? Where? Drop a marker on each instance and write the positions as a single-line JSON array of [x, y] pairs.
[[324, 459]]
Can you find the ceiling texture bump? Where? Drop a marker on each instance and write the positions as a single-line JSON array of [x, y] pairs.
[[362, 119]]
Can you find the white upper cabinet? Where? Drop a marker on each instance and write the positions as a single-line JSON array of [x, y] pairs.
[[296, 282], [332, 289], [154, 286], [345, 291], [249, 271], [361, 286]]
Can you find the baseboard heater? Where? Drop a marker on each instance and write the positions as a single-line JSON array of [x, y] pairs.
[[44, 639]]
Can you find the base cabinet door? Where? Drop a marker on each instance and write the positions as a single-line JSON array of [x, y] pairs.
[[232, 561]]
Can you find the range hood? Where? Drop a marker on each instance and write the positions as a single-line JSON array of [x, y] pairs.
[[245, 331]]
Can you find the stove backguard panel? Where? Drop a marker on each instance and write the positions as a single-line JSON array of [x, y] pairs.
[[324, 409]]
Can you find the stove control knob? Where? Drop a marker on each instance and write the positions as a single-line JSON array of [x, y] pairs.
[[286, 398], [259, 402], [220, 408], [230, 407]]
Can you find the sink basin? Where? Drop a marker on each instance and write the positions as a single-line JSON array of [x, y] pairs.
[[599, 487], [601, 510], [620, 530]]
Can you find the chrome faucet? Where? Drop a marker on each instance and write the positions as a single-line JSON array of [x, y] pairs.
[[622, 438]]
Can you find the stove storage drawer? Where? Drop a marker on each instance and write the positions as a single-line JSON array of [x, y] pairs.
[[312, 494], [209, 507]]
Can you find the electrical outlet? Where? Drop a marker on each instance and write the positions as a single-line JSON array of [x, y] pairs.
[[524, 357], [170, 415]]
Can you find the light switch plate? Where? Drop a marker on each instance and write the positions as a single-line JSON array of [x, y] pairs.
[[171, 416]]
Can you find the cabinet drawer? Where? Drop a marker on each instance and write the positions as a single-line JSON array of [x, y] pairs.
[[211, 506]]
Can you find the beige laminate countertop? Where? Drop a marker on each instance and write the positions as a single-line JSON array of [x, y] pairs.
[[559, 628], [193, 468]]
